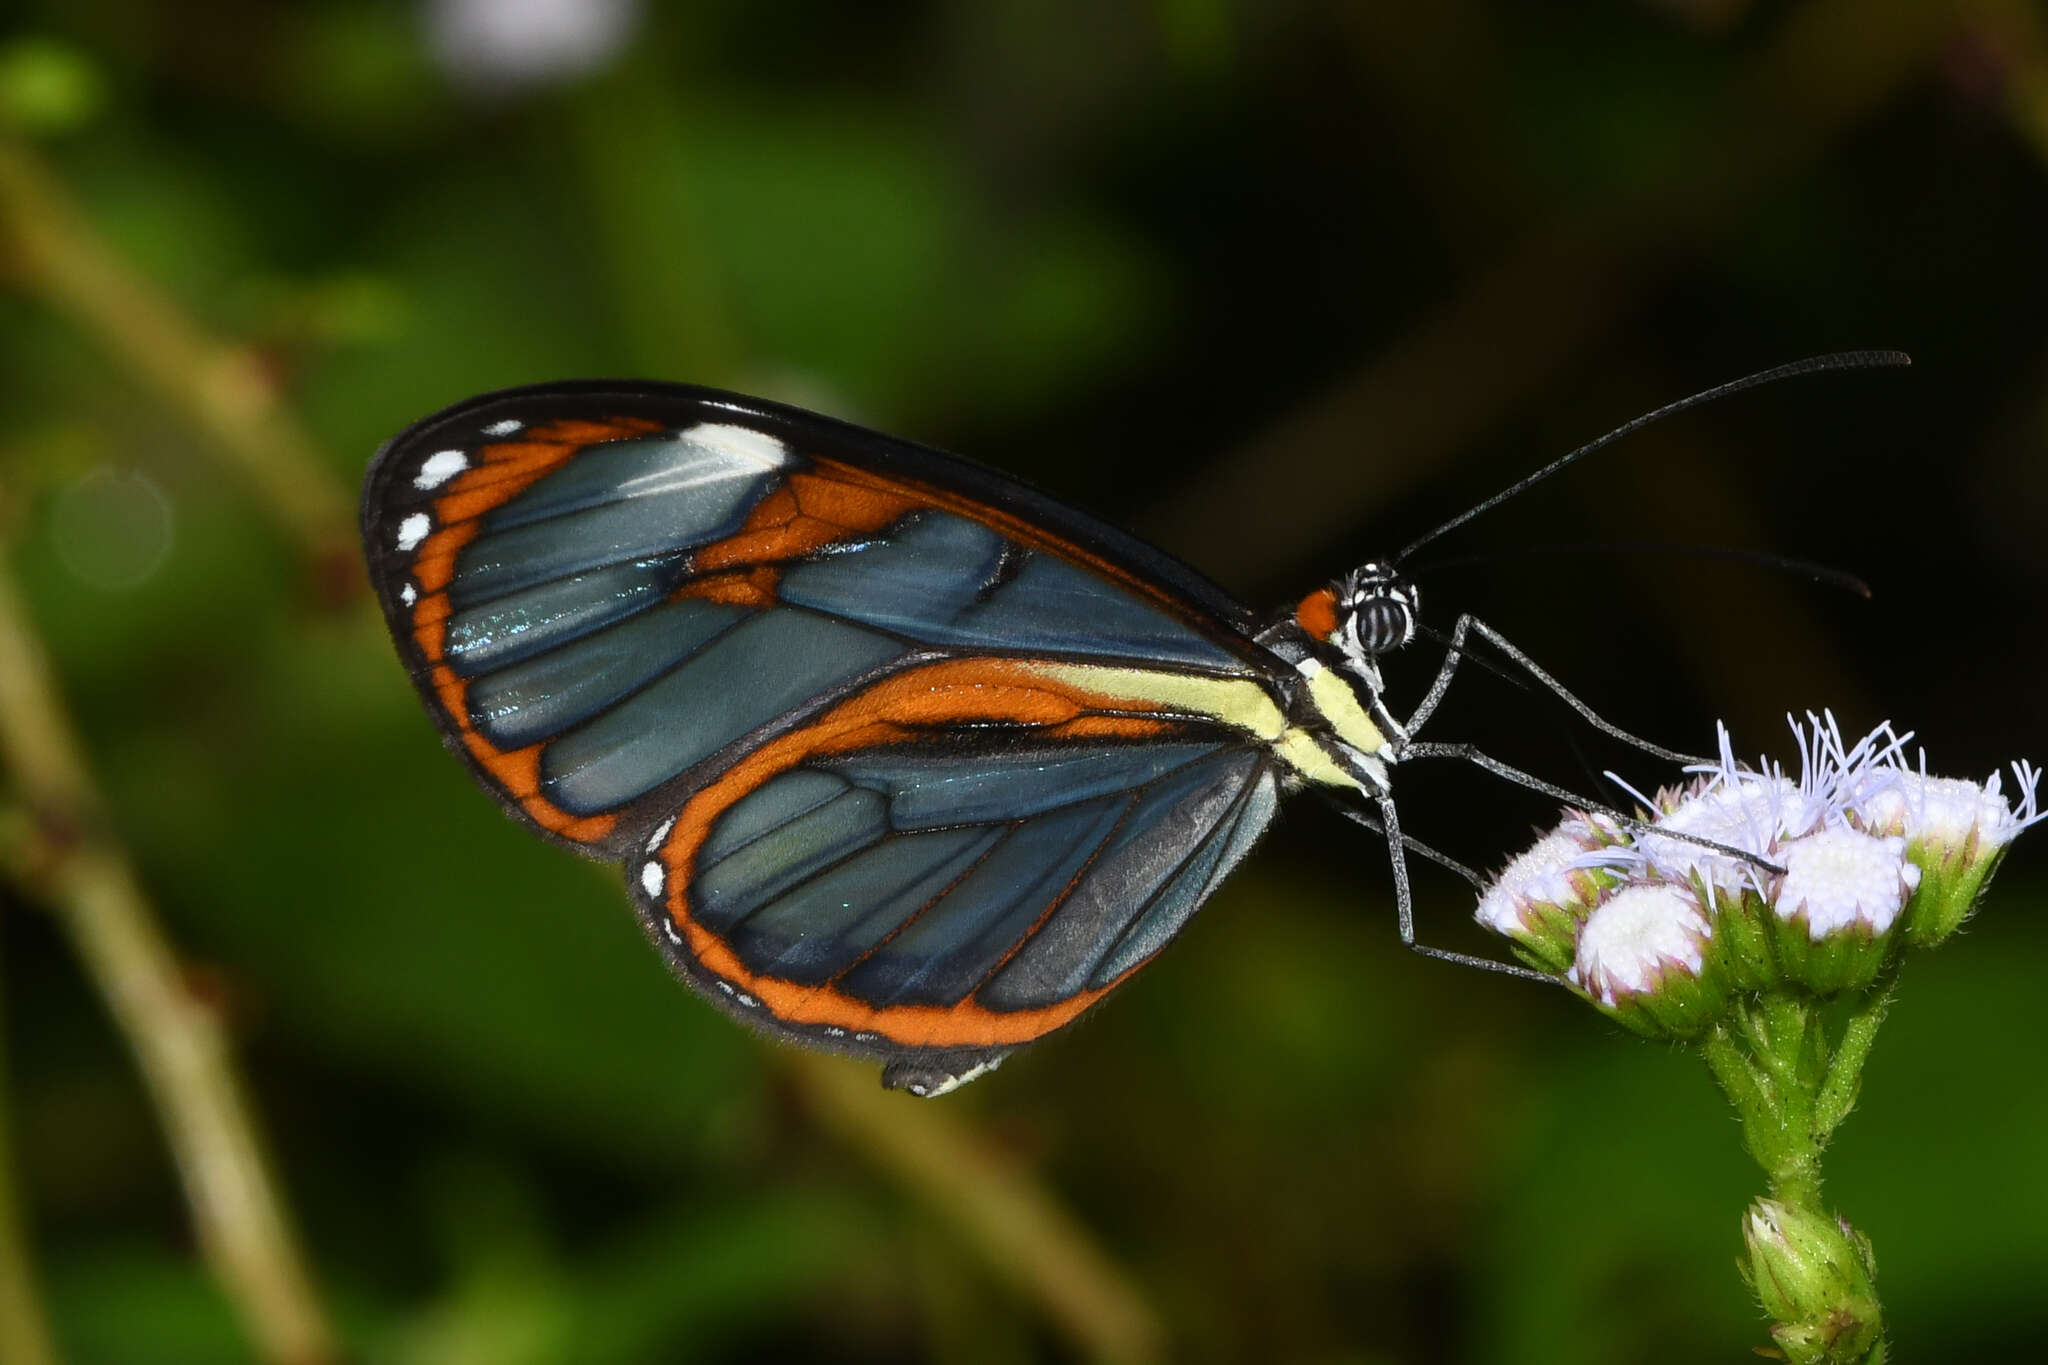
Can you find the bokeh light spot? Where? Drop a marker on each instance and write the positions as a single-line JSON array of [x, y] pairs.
[[113, 528]]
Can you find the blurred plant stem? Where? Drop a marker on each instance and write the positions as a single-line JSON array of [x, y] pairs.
[[24, 1327], [178, 1041], [221, 389], [1032, 1241]]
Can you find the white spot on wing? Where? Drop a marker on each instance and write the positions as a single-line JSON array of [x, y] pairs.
[[711, 457], [413, 530], [652, 879], [408, 594], [654, 839], [504, 428], [747, 1000], [440, 467], [741, 446], [668, 927]]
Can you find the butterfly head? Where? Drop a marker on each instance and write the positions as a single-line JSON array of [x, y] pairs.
[[1368, 612]]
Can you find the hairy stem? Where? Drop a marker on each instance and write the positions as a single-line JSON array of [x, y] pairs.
[[1792, 1085], [1845, 1072]]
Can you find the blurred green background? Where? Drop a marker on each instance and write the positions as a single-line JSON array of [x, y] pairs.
[[1277, 284]]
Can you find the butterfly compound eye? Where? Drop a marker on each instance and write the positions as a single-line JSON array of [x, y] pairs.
[[1379, 607], [1384, 623]]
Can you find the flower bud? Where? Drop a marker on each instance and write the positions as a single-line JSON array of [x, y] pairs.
[[1645, 956], [1545, 894], [1737, 807], [1812, 1275], [1955, 832], [1835, 906]]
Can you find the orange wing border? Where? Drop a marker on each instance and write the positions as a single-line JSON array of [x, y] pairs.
[[907, 707]]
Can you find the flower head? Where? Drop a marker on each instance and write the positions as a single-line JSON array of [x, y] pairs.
[[1837, 879], [1543, 896], [1954, 832], [1951, 812], [1644, 956], [1818, 879], [1750, 814], [1737, 808], [1834, 908]]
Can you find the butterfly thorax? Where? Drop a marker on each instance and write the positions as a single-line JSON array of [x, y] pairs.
[[1340, 732]]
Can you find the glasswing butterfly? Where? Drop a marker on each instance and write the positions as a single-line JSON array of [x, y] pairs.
[[903, 758]]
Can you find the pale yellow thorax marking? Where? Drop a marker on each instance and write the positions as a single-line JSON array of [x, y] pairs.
[[1300, 751], [1339, 705]]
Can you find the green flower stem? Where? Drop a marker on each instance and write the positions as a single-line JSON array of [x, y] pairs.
[[1739, 1079], [1845, 1072], [1793, 1083], [1769, 1058]]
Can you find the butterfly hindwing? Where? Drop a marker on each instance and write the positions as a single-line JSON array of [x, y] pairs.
[[893, 888], [662, 612]]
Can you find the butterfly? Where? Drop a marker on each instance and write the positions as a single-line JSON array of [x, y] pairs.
[[902, 758]]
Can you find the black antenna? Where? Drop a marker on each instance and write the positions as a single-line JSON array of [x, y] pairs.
[[1839, 360], [1824, 574]]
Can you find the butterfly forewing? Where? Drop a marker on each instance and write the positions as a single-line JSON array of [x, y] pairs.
[[903, 757]]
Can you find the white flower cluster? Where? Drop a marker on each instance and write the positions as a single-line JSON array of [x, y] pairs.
[[1751, 877]]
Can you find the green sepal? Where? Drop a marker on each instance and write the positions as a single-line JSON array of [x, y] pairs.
[[1951, 883], [1849, 959], [1678, 1004], [1744, 926], [1547, 938]]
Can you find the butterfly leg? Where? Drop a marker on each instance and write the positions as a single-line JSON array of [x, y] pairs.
[[1409, 842], [1469, 625], [1404, 904], [1466, 753]]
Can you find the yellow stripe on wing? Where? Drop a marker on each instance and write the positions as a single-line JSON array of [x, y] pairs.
[[1234, 701], [1245, 705]]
